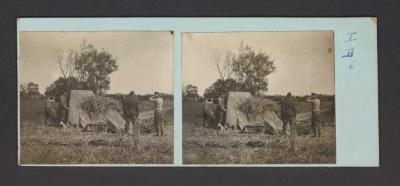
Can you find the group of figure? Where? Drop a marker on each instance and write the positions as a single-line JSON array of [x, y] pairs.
[[220, 113], [58, 114], [288, 114], [131, 111]]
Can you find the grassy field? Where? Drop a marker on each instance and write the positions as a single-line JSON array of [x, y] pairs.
[[210, 146], [40, 144]]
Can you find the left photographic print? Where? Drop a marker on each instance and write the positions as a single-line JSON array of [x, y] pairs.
[[89, 98]]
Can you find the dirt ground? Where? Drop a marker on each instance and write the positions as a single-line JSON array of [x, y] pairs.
[[40, 144], [210, 146]]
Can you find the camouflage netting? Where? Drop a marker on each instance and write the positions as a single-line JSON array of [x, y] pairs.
[[243, 110], [254, 107], [96, 105]]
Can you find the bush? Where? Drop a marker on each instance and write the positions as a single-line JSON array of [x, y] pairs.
[[257, 106], [98, 104]]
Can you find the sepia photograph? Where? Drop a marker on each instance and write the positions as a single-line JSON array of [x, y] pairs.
[[258, 98], [95, 97]]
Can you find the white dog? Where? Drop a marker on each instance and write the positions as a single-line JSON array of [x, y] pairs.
[[222, 128], [65, 126]]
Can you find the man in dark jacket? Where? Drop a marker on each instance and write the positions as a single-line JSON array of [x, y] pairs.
[[221, 111], [131, 110], [288, 114], [63, 108]]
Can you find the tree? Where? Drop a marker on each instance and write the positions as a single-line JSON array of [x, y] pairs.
[[183, 91], [33, 89], [23, 92], [66, 62], [191, 91], [245, 70], [251, 69], [93, 67], [30, 90], [61, 85], [224, 66], [222, 87], [89, 66]]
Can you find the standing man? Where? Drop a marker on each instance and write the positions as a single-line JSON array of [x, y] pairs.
[[221, 111], [63, 108], [315, 117], [288, 114], [158, 113], [131, 111], [204, 112]]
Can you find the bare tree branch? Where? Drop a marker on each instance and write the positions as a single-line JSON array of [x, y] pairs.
[[65, 63], [217, 61], [59, 54], [224, 67]]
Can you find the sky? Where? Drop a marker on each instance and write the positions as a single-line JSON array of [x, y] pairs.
[[304, 60], [145, 59]]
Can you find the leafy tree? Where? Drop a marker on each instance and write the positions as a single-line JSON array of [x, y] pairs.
[[245, 70], [23, 92], [30, 90], [61, 85], [87, 66], [251, 69], [222, 87], [93, 67], [191, 91]]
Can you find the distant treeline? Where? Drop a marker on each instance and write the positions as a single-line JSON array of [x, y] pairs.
[[322, 97], [278, 98], [119, 96]]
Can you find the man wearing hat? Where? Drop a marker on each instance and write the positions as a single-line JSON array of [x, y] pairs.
[[315, 117]]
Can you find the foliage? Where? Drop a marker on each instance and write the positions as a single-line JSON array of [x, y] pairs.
[[190, 91], [245, 70], [88, 66], [96, 105], [117, 96], [257, 106], [94, 67], [61, 85], [165, 96], [222, 87], [120, 97], [321, 97], [251, 69], [30, 90]]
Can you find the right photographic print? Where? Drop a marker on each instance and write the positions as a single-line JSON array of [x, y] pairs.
[[258, 98]]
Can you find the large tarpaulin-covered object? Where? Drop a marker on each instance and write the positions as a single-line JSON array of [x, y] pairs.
[[77, 116], [237, 118]]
